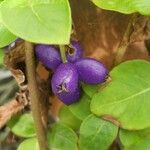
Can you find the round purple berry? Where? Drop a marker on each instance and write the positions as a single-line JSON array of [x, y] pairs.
[[65, 83], [91, 71], [48, 55], [74, 52], [70, 98]]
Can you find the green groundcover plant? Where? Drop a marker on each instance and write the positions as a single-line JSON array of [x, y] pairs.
[[97, 112]]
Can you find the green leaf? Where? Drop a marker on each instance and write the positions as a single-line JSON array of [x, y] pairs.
[[129, 138], [29, 144], [143, 6], [6, 36], [61, 137], [66, 117], [142, 145], [39, 21], [126, 96], [22, 125], [126, 6], [90, 90], [81, 109], [96, 134], [1, 56]]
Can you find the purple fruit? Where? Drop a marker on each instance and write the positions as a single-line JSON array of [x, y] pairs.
[[74, 52], [48, 55], [65, 83], [69, 98], [91, 71]]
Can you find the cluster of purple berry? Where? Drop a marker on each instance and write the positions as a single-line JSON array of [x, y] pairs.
[[67, 76]]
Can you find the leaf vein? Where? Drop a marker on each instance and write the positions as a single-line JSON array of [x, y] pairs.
[[128, 98]]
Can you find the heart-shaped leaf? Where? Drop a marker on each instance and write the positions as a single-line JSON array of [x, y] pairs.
[[96, 134], [39, 21], [61, 137], [126, 97], [125, 6], [22, 125]]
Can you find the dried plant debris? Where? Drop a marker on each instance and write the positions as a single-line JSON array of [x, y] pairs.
[[15, 56], [14, 106], [15, 61], [14, 95], [8, 86], [147, 45], [12, 102], [141, 29]]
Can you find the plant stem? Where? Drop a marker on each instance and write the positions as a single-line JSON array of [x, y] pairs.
[[63, 53], [126, 40], [35, 96]]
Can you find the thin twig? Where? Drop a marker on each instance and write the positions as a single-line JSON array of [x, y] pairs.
[[63, 53], [126, 40], [35, 96], [44, 103]]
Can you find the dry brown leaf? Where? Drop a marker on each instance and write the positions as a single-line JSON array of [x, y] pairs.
[[12, 107], [141, 29], [14, 57], [18, 75]]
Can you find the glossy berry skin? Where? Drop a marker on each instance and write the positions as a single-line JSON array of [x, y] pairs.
[[70, 98], [65, 83], [91, 71], [48, 55], [74, 52]]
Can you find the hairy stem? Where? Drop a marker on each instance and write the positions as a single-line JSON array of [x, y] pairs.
[[63, 53], [126, 40], [35, 96]]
